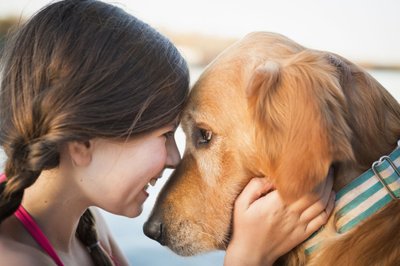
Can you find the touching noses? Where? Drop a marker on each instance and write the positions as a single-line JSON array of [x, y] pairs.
[[173, 156], [154, 227]]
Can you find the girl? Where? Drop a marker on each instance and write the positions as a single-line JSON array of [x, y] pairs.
[[90, 100]]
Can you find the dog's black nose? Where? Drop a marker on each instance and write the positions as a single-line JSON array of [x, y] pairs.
[[154, 230]]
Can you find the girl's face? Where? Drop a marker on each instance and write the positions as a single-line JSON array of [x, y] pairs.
[[120, 171]]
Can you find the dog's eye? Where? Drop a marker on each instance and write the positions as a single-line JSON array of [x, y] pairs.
[[205, 136]]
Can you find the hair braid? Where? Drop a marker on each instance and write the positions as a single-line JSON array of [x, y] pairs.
[[19, 177], [12, 191], [86, 233]]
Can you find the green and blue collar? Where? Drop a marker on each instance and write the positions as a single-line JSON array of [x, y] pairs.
[[364, 196]]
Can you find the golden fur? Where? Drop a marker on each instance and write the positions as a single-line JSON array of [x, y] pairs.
[[279, 110]]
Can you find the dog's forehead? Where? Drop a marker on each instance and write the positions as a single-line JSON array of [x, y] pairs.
[[228, 75], [219, 95], [219, 92], [225, 77]]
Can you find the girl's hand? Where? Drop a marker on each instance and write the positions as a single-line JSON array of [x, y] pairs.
[[265, 228]]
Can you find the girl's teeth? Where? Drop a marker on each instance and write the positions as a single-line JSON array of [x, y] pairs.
[[153, 181]]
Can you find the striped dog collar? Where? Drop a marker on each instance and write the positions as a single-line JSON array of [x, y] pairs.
[[364, 196]]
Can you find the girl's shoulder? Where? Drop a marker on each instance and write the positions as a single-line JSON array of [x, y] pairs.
[[15, 253]]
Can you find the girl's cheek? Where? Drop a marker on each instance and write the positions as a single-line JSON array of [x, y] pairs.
[[162, 159]]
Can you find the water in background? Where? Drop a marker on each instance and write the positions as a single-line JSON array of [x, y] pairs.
[[142, 251]]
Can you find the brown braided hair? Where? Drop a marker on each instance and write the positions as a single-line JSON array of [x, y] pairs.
[[77, 70]]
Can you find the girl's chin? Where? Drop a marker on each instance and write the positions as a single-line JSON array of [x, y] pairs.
[[134, 208], [138, 204], [133, 212]]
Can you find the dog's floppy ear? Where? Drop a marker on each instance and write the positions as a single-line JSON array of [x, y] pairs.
[[373, 112], [294, 114]]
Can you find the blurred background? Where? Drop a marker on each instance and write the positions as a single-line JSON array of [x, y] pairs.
[[365, 31]]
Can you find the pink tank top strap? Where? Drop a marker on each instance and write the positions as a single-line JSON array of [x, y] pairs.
[[30, 225], [2, 177], [37, 234], [33, 229]]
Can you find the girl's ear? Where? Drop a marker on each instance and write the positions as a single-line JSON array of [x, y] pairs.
[[80, 152]]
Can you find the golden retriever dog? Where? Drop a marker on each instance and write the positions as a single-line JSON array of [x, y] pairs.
[[270, 107]]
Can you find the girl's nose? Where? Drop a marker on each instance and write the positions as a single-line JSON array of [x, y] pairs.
[[173, 156]]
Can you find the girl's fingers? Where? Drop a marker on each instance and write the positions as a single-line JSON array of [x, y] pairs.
[[321, 219], [328, 184], [320, 194], [331, 203], [256, 188], [316, 208]]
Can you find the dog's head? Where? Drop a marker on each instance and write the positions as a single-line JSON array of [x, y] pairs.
[[265, 107]]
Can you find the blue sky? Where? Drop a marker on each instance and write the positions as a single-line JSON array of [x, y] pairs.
[[362, 30]]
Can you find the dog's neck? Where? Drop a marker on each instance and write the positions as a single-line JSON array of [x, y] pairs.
[[364, 196], [345, 173]]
